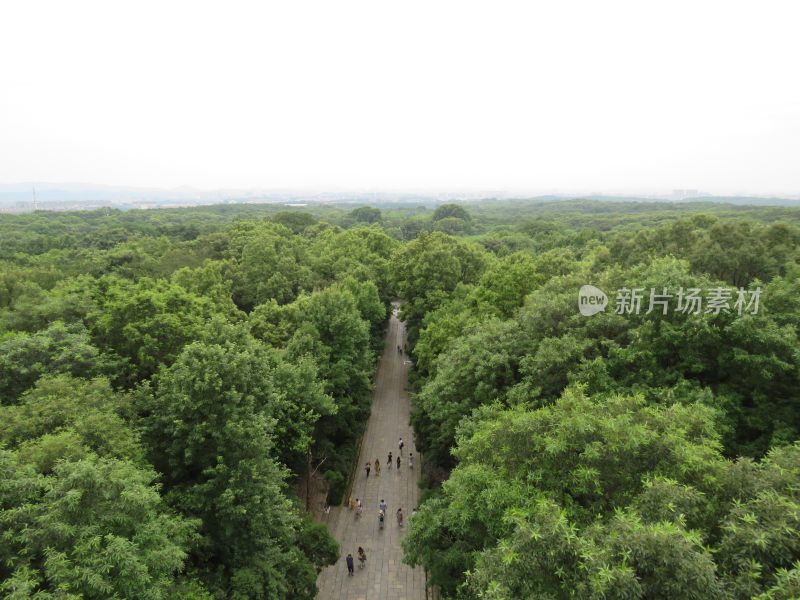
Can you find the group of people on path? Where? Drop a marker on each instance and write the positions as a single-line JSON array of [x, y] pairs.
[[389, 461], [362, 560], [362, 556], [357, 506], [382, 506]]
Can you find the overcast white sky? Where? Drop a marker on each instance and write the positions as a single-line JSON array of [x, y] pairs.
[[570, 96]]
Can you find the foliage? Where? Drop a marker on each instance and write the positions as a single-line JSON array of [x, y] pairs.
[[606, 497], [428, 270], [270, 264], [366, 214], [212, 427], [64, 416], [168, 376], [95, 528], [450, 211], [59, 348], [148, 322]]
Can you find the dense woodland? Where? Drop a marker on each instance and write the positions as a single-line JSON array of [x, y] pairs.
[[168, 379]]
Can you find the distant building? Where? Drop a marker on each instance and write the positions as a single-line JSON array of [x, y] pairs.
[[682, 194]]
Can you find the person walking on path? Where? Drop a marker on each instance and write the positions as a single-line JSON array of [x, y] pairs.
[[400, 445], [389, 460], [382, 506], [367, 468], [362, 557], [349, 561], [381, 518], [398, 463], [410, 460], [377, 468], [399, 517]]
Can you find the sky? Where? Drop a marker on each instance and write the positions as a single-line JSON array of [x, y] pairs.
[[611, 96]]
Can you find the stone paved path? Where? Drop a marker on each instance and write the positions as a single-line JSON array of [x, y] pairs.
[[385, 577]]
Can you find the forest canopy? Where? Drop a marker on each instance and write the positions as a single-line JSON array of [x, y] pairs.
[[169, 379]]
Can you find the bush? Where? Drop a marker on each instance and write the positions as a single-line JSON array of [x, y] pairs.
[[336, 487]]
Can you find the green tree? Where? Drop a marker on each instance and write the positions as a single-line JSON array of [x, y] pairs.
[[362, 253], [295, 220], [149, 322], [208, 281], [365, 214], [333, 332], [607, 496], [63, 416], [211, 429], [58, 349], [95, 528], [451, 211], [507, 281], [270, 264], [428, 270], [452, 226]]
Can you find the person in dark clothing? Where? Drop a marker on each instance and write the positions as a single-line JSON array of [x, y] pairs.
[[349, 561], [398, 463], [389, 460], [367, 467]]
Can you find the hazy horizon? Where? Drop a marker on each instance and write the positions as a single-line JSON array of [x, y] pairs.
[[75, 195], [28, 186]]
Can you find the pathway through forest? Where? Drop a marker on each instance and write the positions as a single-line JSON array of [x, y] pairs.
[[385, 577]]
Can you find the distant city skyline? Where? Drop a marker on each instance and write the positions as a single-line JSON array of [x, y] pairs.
[[28, 188], [619, 97], [22, 194]]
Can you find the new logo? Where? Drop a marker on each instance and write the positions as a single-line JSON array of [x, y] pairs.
[[591, 300]]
